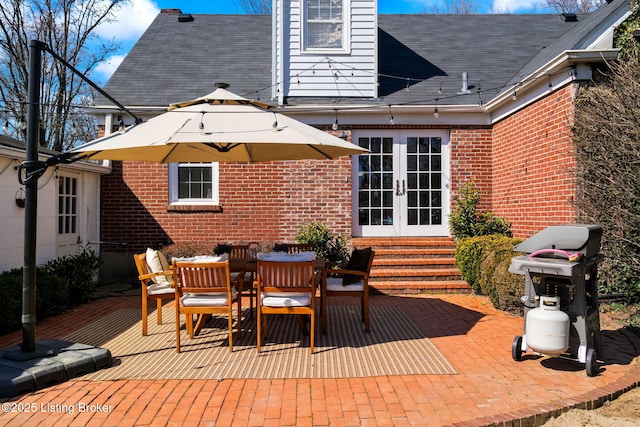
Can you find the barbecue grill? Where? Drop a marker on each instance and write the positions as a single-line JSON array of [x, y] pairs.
[[561, 294]]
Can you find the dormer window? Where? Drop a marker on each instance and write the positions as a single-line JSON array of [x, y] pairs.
[[326, 26]]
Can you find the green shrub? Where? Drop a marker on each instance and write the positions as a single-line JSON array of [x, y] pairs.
[[332, 247], [52, 294], [504, 289], [11, 296], [465, 221], [189, 249], [78, 271], [52, 297], [484, 262]]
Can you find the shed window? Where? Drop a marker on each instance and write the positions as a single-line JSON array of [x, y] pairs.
[[67, 205]]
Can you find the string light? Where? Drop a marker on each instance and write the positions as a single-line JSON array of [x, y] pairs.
[[391, 121], [334, 65], [435, 110], [334, 126]]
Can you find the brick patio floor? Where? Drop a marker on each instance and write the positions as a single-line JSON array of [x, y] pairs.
[[490, 388]]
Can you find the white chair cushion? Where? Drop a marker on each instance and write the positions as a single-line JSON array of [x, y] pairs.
[[334, 284], [156, 289], [286, 299], [203, 258], [157, 263], [208, 299], [285, 257]]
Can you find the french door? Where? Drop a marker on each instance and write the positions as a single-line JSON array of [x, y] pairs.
[[401, 188]]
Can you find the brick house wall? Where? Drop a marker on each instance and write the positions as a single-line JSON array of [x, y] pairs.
[[533, 158], [521, 166], [471, 160], [264, 202]]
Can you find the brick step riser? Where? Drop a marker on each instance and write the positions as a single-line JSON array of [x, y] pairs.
[[414, 263], [412, 255], [403, 278], [380, 244], [421, 287]]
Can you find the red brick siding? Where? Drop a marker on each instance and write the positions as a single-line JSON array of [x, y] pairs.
[[521, 167], [471, 159], [532, 158], [265, 202]]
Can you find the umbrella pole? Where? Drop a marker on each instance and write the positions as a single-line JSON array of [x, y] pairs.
[[31, 203]]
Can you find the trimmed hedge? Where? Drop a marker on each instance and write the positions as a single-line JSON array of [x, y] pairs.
[[484, 263], [60, 284]]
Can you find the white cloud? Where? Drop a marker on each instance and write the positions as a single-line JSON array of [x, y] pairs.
[[106, 68], [513, 6], [130, 21], [128, 25]]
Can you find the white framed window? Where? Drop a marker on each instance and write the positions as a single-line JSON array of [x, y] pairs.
[[67, 205], [193, 183], [326, 25]]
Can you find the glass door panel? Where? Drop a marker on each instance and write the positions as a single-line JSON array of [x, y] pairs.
[[401, 187]]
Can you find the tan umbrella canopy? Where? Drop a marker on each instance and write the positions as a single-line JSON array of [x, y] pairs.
[[219, 127]]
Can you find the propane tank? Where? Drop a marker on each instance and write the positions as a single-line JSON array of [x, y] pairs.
[[547, 327]]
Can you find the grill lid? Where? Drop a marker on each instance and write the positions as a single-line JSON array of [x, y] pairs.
[[584, 238]]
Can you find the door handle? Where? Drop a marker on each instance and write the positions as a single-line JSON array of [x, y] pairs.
[[398, 193], [404, 188]]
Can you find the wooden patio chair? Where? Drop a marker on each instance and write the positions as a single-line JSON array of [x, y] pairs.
[[204, 288], [286, 288], [351, 280], [296, 248], [156, 285], [241, 252]]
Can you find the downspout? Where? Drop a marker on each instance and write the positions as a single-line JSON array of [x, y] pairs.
[[280, 83], [274, 48]]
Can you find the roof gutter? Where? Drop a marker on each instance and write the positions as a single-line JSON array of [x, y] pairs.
[[552, 71]]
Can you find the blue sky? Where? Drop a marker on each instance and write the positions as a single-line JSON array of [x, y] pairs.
[[133, 20], [384, 6]]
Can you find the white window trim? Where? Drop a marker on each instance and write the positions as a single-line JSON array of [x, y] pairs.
[[346, 31], [173, 188], [74, 196]]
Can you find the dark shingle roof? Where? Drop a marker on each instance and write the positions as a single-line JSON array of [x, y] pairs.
[[175, 61], [178, 61]]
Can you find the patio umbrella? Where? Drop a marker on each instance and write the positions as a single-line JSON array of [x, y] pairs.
[[219, 127]]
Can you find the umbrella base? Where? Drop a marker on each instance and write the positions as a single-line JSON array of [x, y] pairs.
[[52, 362]]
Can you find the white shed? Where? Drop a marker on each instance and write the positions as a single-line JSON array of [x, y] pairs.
[[68, 207]]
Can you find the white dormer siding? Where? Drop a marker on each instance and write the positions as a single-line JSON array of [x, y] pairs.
[[346, 67]]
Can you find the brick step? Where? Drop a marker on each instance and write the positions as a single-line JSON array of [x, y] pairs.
[[413, 263], [414, 252], [415, 274], [414, 287], [402, 242]]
